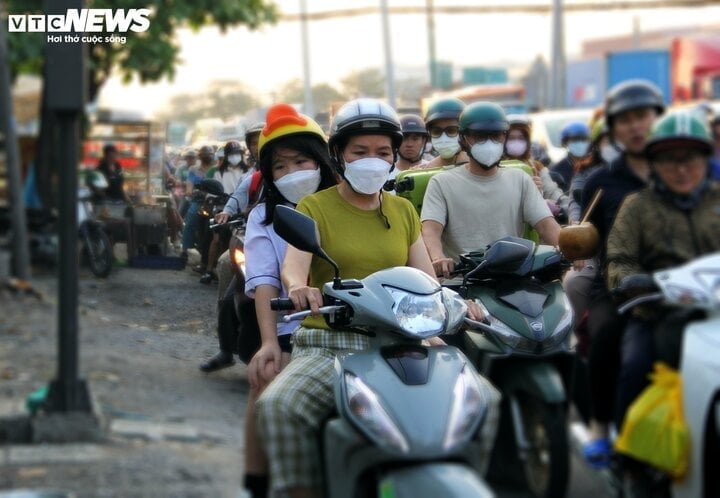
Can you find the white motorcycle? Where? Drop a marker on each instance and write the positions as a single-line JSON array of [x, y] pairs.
[[696, 286]]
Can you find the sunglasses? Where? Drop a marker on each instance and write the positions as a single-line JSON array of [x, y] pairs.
[[450, 131]]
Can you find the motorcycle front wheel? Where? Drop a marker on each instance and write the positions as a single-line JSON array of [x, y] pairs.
[[98, 249], [547, 463]]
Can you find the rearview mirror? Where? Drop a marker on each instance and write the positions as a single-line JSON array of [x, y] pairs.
[[300, 231], [211, 186], [505, 255]]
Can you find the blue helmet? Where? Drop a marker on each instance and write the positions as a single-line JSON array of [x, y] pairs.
[[574, 130]]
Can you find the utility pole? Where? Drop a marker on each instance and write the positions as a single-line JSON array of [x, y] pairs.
[[430, 13], [309, 105], [66, 82], [389, 72], [557, 73], [8, 135]]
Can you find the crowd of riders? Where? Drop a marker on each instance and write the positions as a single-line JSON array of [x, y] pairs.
[[656, 173]]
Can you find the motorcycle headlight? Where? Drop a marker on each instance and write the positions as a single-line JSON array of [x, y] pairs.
[[456, 310], [420, 315], [239, 259], [563, 327], [468, 408], [505, 334], [368, 413]]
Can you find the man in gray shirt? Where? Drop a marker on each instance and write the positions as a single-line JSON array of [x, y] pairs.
[[467, 208]]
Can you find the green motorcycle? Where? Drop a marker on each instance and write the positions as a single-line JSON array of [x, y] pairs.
[[523, 347]]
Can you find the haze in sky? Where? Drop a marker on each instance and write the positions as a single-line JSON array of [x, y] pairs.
[[266, 58]]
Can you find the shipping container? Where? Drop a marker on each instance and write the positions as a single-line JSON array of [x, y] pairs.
[[696, 68], [652, 65], [585, 83]]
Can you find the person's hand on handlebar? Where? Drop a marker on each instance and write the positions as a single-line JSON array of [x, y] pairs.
[[443, 267], [304, 297], [474, 311], [222, 217]]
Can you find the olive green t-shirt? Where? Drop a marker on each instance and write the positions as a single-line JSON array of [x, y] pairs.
[[361, 242]]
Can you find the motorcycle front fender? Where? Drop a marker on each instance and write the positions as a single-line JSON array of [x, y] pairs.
[[540, 379], [432, 480]]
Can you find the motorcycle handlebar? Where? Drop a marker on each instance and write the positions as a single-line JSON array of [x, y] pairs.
[[281, 304], [324, 310], [217, 226]]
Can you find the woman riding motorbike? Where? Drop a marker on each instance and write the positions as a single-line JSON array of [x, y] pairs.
[[363, 231]]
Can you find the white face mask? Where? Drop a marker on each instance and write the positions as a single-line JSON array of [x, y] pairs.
[[446, 146], [295, 186], [234, 159], [367, 175], [516, 147], [579, 148], [609, 153], [487, 153]]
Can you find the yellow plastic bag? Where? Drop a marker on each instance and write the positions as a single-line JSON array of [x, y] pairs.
[[654, 430]]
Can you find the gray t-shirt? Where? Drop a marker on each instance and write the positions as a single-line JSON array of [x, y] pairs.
[[477, 210]]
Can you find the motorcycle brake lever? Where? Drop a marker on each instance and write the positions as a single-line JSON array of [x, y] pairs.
[[324, 310]]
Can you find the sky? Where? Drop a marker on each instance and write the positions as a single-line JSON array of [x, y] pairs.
[[266, 58]]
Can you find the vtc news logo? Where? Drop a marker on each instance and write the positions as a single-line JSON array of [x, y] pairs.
[[82, 21]]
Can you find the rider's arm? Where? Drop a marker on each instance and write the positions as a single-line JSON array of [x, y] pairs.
[[549, 230], [295, 271], [624, 244], [418, 257], [432, 238]]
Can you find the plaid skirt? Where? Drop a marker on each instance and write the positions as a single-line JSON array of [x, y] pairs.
[[291, 408]]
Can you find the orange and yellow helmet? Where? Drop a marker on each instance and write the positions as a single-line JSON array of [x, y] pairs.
[[283, 120]]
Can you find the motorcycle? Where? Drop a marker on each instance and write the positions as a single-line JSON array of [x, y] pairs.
[[44, 242], [523, 347], [694, 286], [96, 246], [408, 416], [236, 311]]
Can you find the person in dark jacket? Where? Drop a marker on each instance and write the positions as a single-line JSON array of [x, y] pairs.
[[575, 137], [631, 108], [111, 169], [673, 221]]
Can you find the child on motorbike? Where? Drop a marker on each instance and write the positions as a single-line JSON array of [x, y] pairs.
[[363, 231], [294, 162]]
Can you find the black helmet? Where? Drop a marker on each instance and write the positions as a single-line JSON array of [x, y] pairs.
[[206, 150], [233, 147], [412, 123], [364, 117], [632, 94]]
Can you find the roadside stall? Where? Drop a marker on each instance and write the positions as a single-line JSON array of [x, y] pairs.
[[140, 147]]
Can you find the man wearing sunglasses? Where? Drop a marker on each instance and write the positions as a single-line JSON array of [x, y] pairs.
[[467, 208], [441, 121]]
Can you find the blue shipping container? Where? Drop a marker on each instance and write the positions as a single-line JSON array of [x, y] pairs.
[[585, 83], [652, 65]]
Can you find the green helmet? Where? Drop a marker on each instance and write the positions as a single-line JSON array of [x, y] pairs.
[[483, 116], [599, 129], [679, 129], [447, 108]]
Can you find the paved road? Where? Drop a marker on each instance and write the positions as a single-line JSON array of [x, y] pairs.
[[172, 430]]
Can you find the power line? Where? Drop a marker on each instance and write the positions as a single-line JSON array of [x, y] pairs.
[[501, 8]]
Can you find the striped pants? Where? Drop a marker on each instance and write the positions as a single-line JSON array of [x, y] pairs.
[[291, 409]]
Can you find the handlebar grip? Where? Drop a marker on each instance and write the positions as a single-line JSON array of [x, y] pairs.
[[281, 304]]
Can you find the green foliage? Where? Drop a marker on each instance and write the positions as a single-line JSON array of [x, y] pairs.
[[150, 55], [364, 83], [323, 94], [224, 99]]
